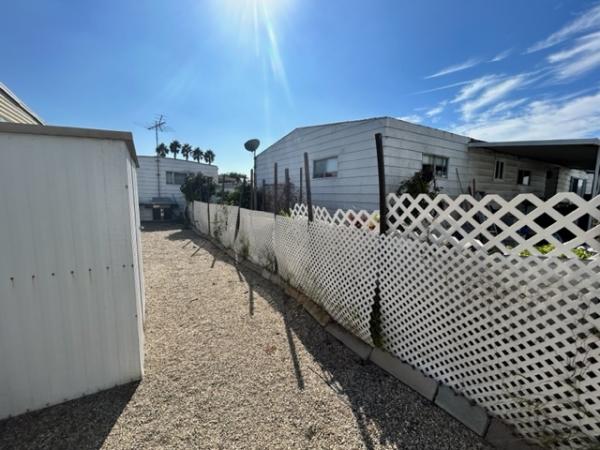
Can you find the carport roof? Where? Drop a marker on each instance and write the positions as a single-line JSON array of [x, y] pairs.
[[572, 153]]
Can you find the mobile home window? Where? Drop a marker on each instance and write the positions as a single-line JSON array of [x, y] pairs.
[[577, 185], [435, 165], [325, 168], [499, 170], [524, 177], [176, 178]]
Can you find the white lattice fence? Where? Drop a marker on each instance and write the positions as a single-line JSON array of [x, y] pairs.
[[334, 269], [357, 219], [519, 335], [525, 224], [255, 237], [201, 217]]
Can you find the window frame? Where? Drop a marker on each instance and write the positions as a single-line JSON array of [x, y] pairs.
[[435, 164], [171, 177], [332, 174], [521, 179]]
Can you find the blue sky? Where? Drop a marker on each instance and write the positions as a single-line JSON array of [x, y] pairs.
[[223, 71]]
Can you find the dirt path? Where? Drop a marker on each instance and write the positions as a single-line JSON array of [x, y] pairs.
[[232, 362]]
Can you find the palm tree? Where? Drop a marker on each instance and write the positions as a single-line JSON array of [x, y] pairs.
[[186, 150], [209, 156], [197, 154], [162, 150], [174, 148]]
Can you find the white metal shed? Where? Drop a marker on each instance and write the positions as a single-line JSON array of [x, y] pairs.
[[71, 282]]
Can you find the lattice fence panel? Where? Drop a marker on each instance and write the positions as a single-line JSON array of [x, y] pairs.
[[518, 226], [222, 223], [335, 269], [518, 335], [201, 217], [255, 238], [357, 219]]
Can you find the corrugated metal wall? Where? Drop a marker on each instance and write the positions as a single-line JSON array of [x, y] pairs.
[[70, 274]]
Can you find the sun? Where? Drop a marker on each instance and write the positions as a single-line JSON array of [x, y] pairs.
[[257, 24]]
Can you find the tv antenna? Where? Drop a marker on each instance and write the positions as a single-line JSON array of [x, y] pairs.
[[159, 125]]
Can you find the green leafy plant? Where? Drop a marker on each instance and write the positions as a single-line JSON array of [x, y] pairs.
[[544, 249], [198, 188], [419, 183]]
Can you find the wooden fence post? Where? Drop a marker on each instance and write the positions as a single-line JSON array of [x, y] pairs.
[[255, 192], [252, 189], [208, 211], [237, 222], [381, 177], [300, 196], [275, 189], [287, 189], [222, 189], [308, 194]]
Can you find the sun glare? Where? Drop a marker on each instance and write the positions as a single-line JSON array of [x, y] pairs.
[[256, 23]]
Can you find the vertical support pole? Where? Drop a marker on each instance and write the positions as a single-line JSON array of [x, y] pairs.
[[252, 189], [300, 196], [308, 194], [208, 209], [255, 194], [381, 177], [596, 180], [595, 184], [222, 189], [287, 190], [275, 189], [264, 194], [237, 222]]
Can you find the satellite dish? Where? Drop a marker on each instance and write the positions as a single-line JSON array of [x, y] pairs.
[[252, 145]]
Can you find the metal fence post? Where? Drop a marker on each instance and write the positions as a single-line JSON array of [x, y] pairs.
[[381, 177], [308, 194], [287, 190], [275, 189]]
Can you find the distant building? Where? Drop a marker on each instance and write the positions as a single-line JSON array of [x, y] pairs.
[[159, 182], [343, 163], [12, 109]]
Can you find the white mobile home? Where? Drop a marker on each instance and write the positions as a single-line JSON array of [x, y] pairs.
[[71, 282], [159, 180], [344, 167], [13, 109]]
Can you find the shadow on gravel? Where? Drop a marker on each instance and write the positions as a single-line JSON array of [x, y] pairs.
[[78, 424], [404, 418]]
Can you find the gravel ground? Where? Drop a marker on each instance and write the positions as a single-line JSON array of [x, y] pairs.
[[232, 362]]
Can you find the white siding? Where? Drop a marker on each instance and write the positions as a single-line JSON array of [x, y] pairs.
[[352, 142], [12, 111], [404, 144], [70, 277], [148, 181]]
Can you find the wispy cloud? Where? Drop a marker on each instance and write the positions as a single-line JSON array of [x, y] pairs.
[[436, 110], [588, 20], [444, 87], [455, 68], [582, 57], [490, 94], [502, 55], [414, 118], [548, 119], [473, 87]]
